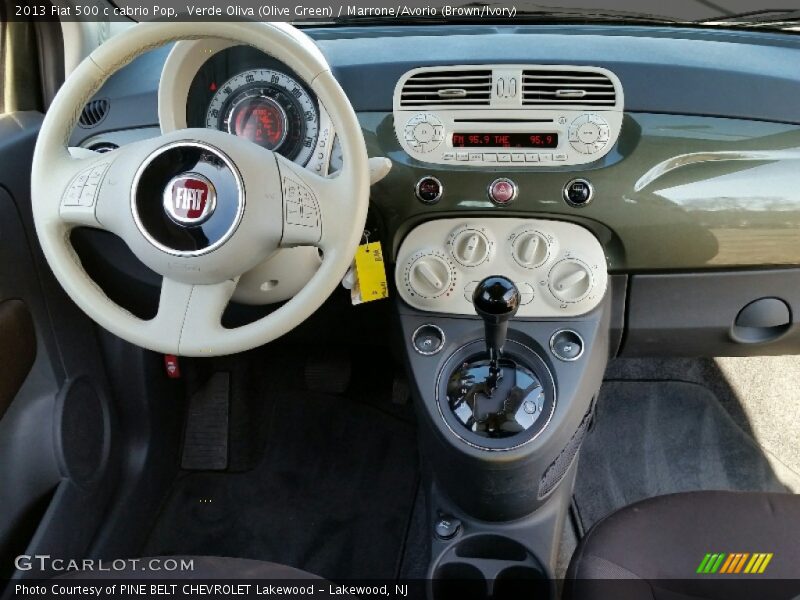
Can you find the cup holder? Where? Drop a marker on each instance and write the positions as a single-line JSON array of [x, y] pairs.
[[459, 580], [490, 567], [491, 547], [520, 582]]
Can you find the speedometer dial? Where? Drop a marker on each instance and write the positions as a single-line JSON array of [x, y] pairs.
[[270, 109]]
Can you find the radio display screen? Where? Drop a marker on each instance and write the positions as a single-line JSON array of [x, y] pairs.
[[505, 140]]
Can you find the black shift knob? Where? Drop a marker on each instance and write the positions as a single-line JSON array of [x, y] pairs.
[[496, 300]]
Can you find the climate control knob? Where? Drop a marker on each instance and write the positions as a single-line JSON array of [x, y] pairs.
[[429, 275], [530, 249], [470, 247], [570, 280]]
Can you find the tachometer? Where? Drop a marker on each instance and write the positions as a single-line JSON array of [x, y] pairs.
[[269, 108]]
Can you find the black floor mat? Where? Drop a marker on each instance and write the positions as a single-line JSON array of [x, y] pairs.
[[330, 491], [654, 438]]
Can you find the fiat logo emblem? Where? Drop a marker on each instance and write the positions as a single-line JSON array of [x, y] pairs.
[[190, 199]]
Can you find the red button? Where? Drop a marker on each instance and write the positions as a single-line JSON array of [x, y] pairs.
[[172, 366], [502, 191]]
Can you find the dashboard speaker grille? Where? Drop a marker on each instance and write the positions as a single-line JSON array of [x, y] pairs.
[[561, 87], [94, 112], [448, 88]]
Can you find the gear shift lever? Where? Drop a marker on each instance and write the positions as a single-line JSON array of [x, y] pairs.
[[496, 300]]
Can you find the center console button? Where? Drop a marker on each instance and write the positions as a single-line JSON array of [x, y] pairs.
[[502, 191], [447, 527], [469, 289], [566, 345], [429, 190], [578, 192], [428, 339], [525, 293]]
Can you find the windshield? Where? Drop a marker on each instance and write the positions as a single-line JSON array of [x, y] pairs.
[[706, 13], [718, 13]]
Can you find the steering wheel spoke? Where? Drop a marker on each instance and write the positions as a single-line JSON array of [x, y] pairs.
[[79, 179], [313, 207], [191, 314]]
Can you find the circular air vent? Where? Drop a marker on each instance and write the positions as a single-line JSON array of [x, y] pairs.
[[93, 113], [102, 147]]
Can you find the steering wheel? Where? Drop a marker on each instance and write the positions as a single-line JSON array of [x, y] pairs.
[[198, 206]]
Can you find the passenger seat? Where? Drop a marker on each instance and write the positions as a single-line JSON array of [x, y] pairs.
[[657, 549]]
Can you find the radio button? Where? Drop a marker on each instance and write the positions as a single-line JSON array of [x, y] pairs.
[[490, 157], [517, 158], [531, 157], [580, 121], [588, 133], [581, 147], [462, 156], [448, 155], [423, 132], [544, 157], [503, 158], [560, 157], [476, 156]]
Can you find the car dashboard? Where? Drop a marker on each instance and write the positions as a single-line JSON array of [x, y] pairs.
[[654, 165]]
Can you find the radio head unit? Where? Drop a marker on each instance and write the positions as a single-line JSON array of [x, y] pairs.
[[533, 115]]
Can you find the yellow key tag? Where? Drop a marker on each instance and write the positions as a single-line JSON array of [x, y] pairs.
[[371, 273]]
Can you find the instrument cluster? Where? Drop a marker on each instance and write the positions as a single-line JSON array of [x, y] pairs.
[[246, 93]]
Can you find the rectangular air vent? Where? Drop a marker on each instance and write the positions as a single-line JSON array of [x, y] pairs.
[[447, 88], [561, 87]]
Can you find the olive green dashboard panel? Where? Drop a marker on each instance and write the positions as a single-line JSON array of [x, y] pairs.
[[677, 193]]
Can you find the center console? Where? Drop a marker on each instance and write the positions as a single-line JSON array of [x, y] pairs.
[[506, 320], [506, 328]]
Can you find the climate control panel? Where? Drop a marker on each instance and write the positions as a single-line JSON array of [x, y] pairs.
[[559, 268]]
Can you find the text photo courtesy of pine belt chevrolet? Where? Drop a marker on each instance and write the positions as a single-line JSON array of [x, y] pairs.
[[437, 300]]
